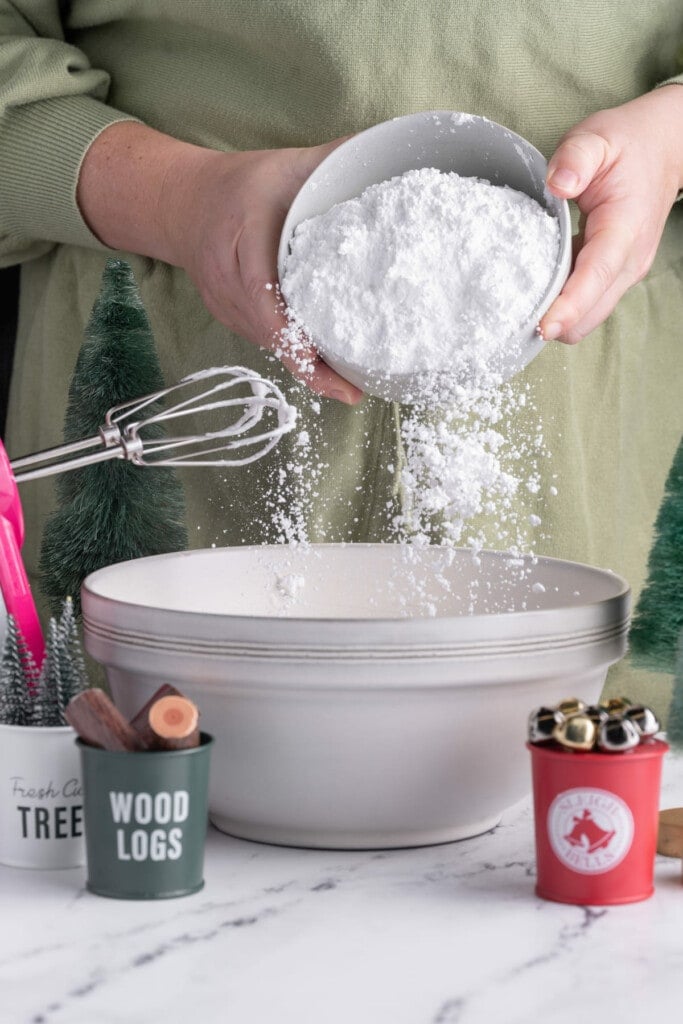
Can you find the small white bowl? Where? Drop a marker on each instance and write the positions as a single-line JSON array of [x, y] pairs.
[[471, 146], [344, 716]]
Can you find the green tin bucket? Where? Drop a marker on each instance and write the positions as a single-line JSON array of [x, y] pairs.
[[145, 816]]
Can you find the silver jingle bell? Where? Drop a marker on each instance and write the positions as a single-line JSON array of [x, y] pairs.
[[617, 735], [542, 723], [644, 719], [597, 714]]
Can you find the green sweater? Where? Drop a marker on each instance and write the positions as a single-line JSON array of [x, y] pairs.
[[241, 74]]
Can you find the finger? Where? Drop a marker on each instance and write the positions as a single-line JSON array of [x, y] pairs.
[[579, 238], [266, 310], [325, 381], [309, 157], [579, 158], [300, 164], [600, 311], [607, 247]]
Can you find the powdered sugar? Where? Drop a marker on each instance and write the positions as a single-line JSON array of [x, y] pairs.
[[428, 272]]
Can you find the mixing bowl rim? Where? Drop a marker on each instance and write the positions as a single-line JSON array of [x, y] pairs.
[[620, 595]]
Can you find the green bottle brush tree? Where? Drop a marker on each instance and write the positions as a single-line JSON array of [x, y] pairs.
[[111, 511], [656, 636]]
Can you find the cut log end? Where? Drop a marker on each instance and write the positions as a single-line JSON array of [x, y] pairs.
[[173, 717]]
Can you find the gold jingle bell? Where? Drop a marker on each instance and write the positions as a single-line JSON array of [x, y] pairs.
[[615, 705], [542, 723], [644, 719], [571, 706], [617, 735], [577, 732]]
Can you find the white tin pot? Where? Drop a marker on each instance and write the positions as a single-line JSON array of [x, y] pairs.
[[41, 802]]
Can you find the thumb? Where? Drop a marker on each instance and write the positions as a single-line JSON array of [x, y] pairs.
[[575, 163], [310, 156], [301, 162]]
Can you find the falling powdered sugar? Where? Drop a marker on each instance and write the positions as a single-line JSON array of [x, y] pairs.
[[434, 274]]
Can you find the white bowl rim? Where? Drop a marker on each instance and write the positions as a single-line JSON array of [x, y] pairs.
[[91, 590]]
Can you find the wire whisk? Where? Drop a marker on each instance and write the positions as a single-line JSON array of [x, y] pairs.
[[257, 414]]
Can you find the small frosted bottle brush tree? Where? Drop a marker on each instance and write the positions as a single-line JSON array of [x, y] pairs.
[[18, 679], [32, 697], [111, 511]]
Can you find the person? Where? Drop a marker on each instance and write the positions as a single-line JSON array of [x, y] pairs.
[[178, 133]]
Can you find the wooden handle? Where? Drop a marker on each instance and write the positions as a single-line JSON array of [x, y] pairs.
[[173, 720], [99, 722]]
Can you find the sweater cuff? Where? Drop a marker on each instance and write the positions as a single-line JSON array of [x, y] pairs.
[[41, 150], [675, 80]]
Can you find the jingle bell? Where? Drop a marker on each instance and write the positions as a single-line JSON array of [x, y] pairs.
[[571, 706], [542, 724], [615, 705], [644, 719], [577, 732], [597, 714], [618, 735]]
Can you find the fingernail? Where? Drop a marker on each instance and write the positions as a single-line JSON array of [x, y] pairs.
[[340, 395], [551, 331], [564, 178]]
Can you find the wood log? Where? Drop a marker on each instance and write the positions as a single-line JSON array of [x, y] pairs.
[[99, 722], [670, 833], [141, 720], [174, 721]]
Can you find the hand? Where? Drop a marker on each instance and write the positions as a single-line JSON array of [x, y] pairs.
[[229, 246], [624, 168], [219, 216]]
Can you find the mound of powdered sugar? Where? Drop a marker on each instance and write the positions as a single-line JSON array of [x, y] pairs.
[[425, 272]]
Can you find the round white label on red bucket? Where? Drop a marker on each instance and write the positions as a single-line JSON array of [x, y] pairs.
[[590, 830]]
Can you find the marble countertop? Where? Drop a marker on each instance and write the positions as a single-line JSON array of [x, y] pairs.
[[448, 934]]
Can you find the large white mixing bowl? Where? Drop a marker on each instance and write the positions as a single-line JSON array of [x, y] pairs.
[[344, 715]]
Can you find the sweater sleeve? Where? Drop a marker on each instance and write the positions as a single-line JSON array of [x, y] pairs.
[[52, 107]]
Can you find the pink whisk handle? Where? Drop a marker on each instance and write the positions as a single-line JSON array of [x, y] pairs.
[[14, 584], [17, 595]]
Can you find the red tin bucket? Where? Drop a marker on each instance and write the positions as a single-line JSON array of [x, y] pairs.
[[596, 818]]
